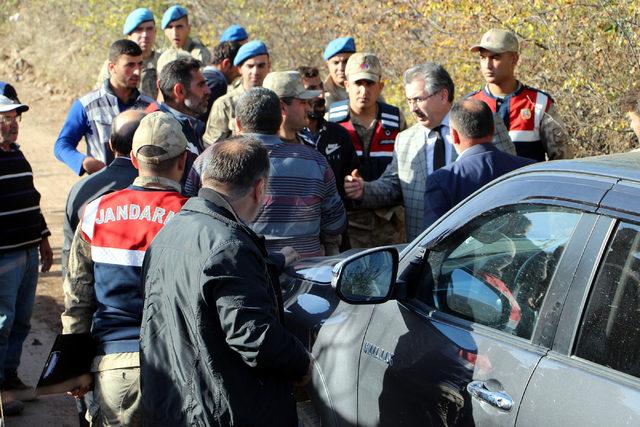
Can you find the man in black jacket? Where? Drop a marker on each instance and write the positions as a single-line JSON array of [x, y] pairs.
[[214, 350]]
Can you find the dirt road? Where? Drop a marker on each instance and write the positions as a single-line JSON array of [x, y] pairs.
[[38, 131]]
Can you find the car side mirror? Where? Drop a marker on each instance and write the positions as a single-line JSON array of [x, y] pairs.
[[367, 277]]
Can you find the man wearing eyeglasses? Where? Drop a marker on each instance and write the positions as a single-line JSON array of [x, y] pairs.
[[419, 150]]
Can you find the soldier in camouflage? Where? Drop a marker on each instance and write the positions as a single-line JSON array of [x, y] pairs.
[[530, 114], [176, 27], [140, 27], [254, 64]]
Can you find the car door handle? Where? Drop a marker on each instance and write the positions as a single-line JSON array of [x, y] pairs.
[[499, 399]]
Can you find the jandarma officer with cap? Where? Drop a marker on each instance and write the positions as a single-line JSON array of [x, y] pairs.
[[235, 33], [140, 27], [530, 114], [254, 64], [176, 27], [373, 127], [102, 289]]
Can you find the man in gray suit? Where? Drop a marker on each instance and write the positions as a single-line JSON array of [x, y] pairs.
[[419, 150]]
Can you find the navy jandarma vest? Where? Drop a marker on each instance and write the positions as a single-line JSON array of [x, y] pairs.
[[380, 150]]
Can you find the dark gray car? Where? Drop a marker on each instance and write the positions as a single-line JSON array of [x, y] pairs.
[[520, 306]]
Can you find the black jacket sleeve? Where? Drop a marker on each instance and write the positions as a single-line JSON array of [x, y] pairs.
[[237, 285]]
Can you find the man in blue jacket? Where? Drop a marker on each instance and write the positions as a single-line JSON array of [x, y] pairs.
[[478, 163], [91, 115]]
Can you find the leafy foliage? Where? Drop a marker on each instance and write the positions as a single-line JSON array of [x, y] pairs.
[[586, 54]]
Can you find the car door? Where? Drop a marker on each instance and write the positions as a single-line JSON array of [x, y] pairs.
[[487, 282], [592, 375]]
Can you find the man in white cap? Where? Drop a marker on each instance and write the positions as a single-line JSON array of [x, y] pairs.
[[102, 289], [530, 114], [23, 234], [140, 27]]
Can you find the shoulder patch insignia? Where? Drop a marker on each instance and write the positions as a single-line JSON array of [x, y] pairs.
[[525, 113]]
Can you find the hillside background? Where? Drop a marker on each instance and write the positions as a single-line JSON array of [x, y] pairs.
[[586, 54]]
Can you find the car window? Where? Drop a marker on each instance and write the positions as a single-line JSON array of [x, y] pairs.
[[610, 330], [496, 269]]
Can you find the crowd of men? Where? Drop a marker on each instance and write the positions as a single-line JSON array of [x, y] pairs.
[[207, 174]]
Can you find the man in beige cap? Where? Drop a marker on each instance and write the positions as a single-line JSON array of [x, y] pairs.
[[530, 114], [102, 289], [373, 127], [303, 208]]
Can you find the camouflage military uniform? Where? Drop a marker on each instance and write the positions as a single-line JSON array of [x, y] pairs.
[[148, 77], [375, 227], [554, 136], [333, 93], [198, 51], [222, 118]]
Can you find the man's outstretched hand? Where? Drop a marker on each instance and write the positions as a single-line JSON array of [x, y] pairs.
[[354, 185]]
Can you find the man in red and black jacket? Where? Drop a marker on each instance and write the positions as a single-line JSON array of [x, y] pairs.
[[372, 126]]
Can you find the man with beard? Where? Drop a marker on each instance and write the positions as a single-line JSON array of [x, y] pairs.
[[91, 115], [254, 64], [186, 97], [140, 27]]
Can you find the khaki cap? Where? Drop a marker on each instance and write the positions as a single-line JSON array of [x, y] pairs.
[[170, 55], [159, 129], [497, 41], [363, 66], [288, 84]]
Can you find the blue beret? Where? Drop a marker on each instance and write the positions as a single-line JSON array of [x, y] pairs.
[[234, 33], [249, 50], [136, 18], [173, 13], [339, 45]]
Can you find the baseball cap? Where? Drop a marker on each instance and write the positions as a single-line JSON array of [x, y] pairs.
[[9, 91], [363, 66], [7, 104], [249, 50], [170, 55], [136, 18], [234, 33], [172, 14], [288, 84], [497, 41], [159, 129], [339, 45]]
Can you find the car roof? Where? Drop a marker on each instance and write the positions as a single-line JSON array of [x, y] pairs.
[[622, 166]]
